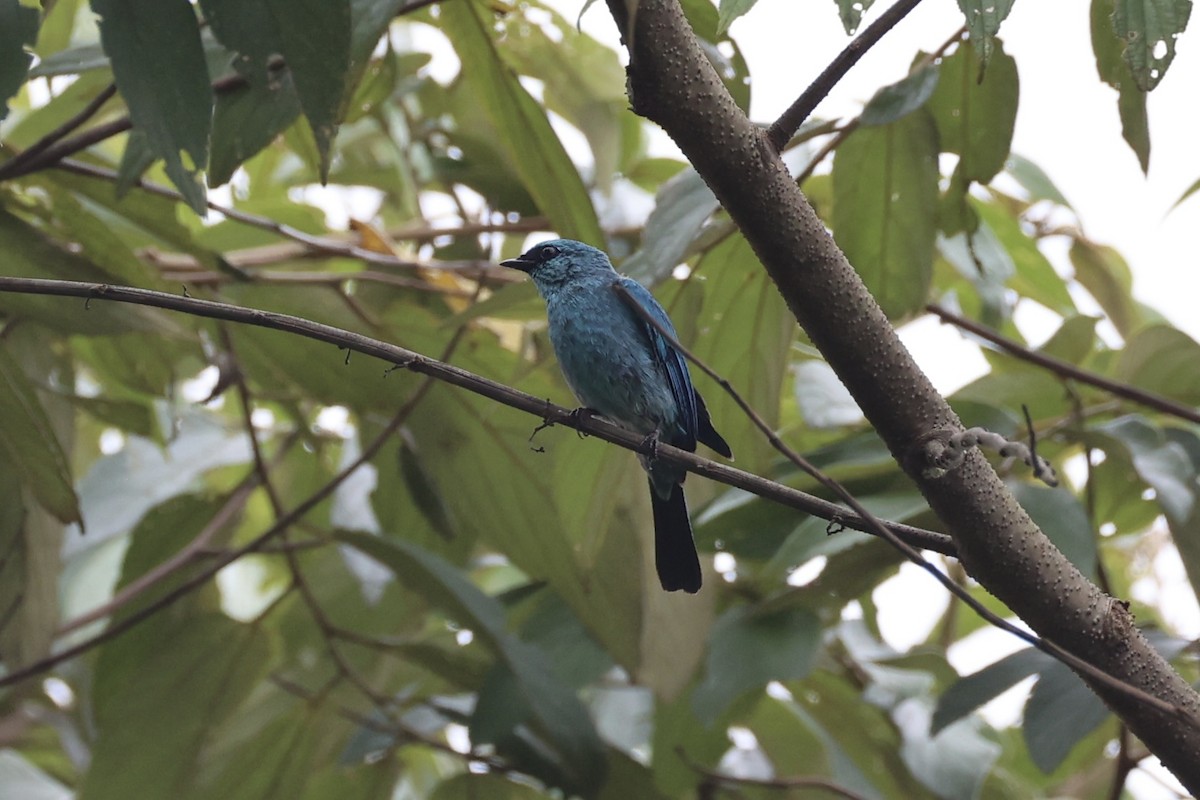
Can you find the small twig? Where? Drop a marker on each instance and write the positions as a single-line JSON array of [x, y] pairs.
[[881, 530], [1068, 370], [790, 121], [836, 141], [833, 143], [806, 782], [44, 143]]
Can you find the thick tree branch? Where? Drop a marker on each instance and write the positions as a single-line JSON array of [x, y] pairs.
[[672, 83]]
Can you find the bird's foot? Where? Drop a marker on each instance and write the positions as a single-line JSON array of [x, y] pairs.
[[579, 415], [649, 448]]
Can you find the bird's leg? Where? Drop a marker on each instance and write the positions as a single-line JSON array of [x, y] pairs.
[[546, 423], [579, 415]]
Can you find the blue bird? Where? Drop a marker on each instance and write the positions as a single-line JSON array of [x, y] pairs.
[[621, 366]]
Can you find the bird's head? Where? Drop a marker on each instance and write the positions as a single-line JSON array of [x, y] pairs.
[[559, 262]]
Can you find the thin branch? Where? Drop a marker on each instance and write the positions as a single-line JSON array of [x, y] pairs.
[[814, 782], [841, 135], [209, 278], [308, 244], [1123, 767], [832, 144], [1068, 370], [18, 166], [86, 113], [553, 414], [879, 529], [790, 121]]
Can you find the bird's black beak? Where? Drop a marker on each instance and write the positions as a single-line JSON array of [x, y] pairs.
[[523, 263]]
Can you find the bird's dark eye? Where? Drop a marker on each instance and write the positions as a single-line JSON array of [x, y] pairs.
[[548, 252]]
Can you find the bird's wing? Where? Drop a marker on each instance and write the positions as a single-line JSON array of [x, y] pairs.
[[671, 359]]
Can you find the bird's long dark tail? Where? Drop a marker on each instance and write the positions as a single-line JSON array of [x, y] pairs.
[[674, 550]]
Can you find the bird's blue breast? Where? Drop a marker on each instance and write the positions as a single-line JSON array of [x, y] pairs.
[[608, 362]]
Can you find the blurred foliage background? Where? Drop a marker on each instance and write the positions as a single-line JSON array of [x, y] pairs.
[[472, 613]]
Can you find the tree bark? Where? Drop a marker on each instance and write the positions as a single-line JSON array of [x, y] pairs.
[[672, 83]]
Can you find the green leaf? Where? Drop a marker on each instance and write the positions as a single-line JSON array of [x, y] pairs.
[[744, 331], [1035, 276], [583, 82], [976, 109], [890, 103], [120, 488], [18, 29], [1191, 190], [1115, 70], [469, 786], [58, 23], [885, 196], [160, 69], [271, 753], [1135, 123], [248, 28], [247, 120], [980, 258], [684, 203], [27, 439], [974, 690], [1185, 530], [1074, 340], [1164, 360], [557, 711], [749, 648], [956, 762], [201, 668], [521, 125], [851, 11], [729, 10], [74, 61], [1163, 464], [314, 37], [679, 732], [1149, 29], [1060, 712], [1061, 517], [31, 254], [983, 23], [1103, 272], [31, 539], [1034, 180]]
